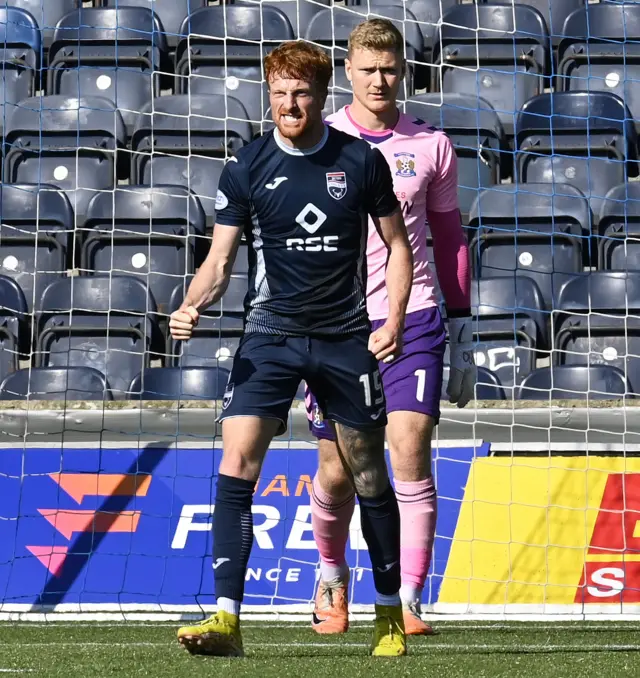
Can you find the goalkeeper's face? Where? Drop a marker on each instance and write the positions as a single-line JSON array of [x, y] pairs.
[[296, 107], [375, 76]]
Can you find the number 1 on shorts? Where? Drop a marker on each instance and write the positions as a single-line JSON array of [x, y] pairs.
[[422, 378]]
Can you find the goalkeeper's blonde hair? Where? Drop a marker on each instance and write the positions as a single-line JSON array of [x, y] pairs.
[[375, 35]]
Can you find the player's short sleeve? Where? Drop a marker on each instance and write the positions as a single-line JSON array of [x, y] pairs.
[[232, 199], [442, 193], [381, 198]]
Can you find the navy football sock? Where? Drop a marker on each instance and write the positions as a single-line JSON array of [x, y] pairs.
[[380, 520], [232, 535]]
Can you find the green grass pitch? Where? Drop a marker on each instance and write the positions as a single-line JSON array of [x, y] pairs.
[[279, 650]]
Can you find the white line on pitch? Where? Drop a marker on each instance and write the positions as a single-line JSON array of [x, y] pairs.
[[444, 625], [426, 648]]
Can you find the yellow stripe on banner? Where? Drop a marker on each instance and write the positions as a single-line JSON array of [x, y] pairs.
[[613, 558], [524, 528]]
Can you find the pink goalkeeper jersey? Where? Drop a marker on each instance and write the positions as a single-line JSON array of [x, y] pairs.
[[424, 168]]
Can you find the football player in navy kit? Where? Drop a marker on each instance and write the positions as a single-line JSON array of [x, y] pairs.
[[302, 195]]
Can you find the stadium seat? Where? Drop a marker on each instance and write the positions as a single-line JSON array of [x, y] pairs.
[[20, 59], [171, 13], [232, 303], [536, 231], [35, 227], [55, 383], [102, 322], [619, 228], [335, 102], [214, 340], [224, 52], [586, 139], [476, 133], [571, 382], [47, 13], [66, 142], [500, 53], [185, 139], [148, 232], [509, 325], [488, 386], [119, 54], [299, 12], [180, 383], [597, 321], [13, 325], [428, 13], [600, 51], [554, 12], [331, 28]]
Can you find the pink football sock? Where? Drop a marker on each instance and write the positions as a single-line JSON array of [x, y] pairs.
[[417, 504], [330, 521]]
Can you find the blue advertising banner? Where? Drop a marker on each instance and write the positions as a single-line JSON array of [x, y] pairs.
[[99, 525]]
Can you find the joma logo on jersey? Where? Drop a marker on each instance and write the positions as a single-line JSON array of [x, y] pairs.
[[612, 569]]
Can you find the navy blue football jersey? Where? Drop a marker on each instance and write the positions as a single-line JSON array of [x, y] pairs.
[[305, 218]]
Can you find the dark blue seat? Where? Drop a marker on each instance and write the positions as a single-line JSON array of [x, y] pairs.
[[47, 13], [13, 325], [224, 52], [299, 12], [214, 340], [335, 102], [597, 322], [575, 382], [148, 232], [619, 228], [331, 28], [232, 303], [600, 51], [102, 322], [538, 231], [118, 54], [476, 133], [499, 52], [171, 13], [488, 386], [180, 383], [36, 223], [586, 139], [185, 139], [510, 326], [20, 47], [554, 12], [55, 383], [66, 142]]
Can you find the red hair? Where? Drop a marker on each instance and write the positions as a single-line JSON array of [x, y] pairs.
[[299, 60]]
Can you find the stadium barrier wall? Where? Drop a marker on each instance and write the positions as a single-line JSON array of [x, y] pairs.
[[98, 519]]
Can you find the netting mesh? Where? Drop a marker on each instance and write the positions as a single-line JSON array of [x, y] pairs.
[[117, 120]]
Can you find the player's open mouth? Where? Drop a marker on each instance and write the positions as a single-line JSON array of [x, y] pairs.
[[291, 118]]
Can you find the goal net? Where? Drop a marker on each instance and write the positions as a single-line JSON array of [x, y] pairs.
[[117, 121]]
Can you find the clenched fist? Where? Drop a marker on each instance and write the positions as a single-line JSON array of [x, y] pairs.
[[182, 322]]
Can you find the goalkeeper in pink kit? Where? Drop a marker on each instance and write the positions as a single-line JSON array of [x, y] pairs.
[[424, 169]]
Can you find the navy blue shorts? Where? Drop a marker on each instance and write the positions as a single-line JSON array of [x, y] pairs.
[[342, 373]]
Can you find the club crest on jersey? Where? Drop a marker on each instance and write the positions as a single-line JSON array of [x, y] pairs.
[[406, 164], [337, 184]]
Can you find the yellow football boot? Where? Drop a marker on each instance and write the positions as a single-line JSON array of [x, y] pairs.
[[218, 636], [389, 639]]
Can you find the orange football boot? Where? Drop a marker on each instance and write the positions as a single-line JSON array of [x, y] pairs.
[[331, 613], [413, 622]]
